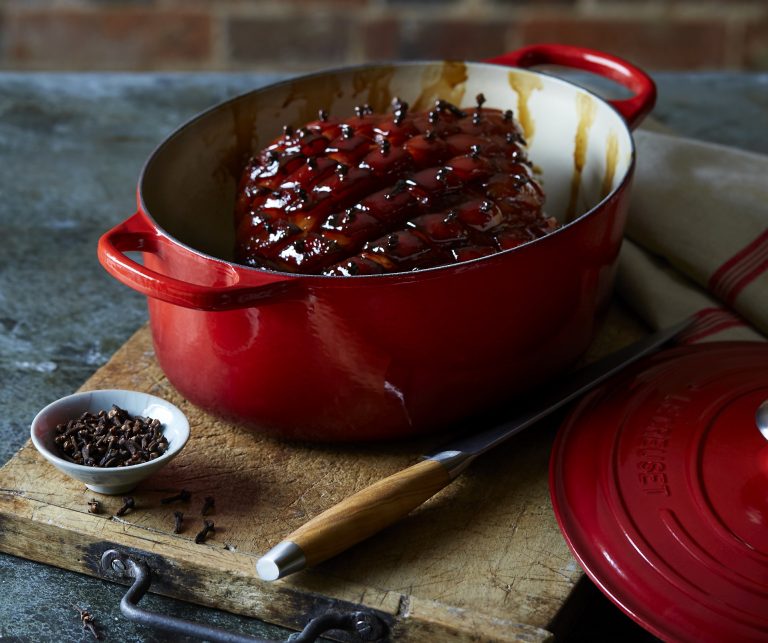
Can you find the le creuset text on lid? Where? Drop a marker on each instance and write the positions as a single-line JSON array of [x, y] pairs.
[[659, 482]]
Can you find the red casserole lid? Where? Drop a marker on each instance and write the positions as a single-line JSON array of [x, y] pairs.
[[659, 482]]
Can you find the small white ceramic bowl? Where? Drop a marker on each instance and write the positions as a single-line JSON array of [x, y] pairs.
[[109, 480]]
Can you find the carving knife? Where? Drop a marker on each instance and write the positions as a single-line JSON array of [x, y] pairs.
[[386, 501]]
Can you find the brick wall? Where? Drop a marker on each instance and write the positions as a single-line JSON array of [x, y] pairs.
[[297, 35]]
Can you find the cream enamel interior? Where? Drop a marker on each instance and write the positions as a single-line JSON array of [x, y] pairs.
[[580, 147]]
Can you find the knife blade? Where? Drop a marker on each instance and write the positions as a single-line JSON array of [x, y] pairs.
[[372, 509]]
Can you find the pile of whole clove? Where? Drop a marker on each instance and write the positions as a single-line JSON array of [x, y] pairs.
[[110, 439]]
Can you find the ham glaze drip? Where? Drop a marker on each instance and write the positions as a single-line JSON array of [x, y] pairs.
[[380, 193]]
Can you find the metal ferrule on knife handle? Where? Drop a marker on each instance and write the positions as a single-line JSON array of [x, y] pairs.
[[454, 461], [356, 518]]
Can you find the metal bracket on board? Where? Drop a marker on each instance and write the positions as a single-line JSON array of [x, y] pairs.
[[362, 626]]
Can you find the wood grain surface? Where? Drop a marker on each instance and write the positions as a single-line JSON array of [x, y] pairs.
[[483, 560]]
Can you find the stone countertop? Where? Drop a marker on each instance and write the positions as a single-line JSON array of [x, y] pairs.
[[71, 149]]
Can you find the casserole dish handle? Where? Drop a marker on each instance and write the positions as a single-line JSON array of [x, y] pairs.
[[135, 234], [633, 109]]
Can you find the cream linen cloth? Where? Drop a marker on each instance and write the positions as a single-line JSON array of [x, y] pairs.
[[697, 239]]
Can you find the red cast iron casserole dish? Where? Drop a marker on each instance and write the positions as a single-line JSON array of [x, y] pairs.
[[382, 356]]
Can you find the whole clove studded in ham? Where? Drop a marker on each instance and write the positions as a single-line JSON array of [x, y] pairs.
[[111, 438]]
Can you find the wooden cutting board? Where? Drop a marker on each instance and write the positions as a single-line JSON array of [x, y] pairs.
[[482, 560]]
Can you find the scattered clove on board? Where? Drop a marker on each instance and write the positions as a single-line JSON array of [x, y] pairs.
[[128, 503], [94, 506], [207, 529], [178, 519], [88, 622]]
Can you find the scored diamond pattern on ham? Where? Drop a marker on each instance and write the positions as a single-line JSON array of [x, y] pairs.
[[378, 193]]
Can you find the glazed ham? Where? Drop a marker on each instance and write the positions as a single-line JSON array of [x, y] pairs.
[[380, 193]]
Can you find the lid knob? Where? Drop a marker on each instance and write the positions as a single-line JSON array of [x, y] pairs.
[[761, 418]]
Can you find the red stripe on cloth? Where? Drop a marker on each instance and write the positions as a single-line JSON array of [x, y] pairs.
[[709, 321], [709, 316], [750, 266], [692, 339], [750, 276], [740, 270]]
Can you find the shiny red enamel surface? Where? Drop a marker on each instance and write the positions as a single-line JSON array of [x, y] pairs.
[[659, 481], [399, 354], [381, 356]]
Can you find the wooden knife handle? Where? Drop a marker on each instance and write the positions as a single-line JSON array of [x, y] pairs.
[[363, 514], [368, 511]]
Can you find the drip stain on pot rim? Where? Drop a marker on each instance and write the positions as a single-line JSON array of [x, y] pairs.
[[447, 81], [377, 83], [586, 109], [611, 158], [524, 84], [322, 91], [244, 131]]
